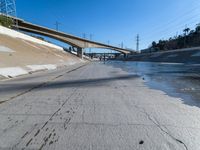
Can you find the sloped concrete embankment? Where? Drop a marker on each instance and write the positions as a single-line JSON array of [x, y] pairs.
[[190, 55], [22, 54]]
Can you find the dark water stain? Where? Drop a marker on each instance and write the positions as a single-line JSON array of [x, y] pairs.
[[1, 102]]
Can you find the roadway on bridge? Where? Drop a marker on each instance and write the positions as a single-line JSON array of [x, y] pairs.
[[93, 106]]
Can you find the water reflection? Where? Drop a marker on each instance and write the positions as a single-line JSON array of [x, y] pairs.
[[178, 80]]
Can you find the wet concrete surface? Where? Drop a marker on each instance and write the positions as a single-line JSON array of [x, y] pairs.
[[176, 79]]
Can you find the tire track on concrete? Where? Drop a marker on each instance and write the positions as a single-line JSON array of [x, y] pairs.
[[44, 129], [48, 130]]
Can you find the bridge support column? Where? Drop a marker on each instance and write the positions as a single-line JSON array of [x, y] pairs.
[[80, 52], [125, 56]]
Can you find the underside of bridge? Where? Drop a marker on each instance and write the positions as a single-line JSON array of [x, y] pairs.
[[74, 41]]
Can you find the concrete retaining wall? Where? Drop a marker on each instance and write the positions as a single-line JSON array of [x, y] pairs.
[[15, 34], [191, 55], [22, 54]]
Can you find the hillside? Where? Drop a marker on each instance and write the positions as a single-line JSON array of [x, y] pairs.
[[189, 38]]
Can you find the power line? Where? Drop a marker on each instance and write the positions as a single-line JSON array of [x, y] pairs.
[[190, 17], [178, 18], [175, 23], [176, 27], [179, 23]]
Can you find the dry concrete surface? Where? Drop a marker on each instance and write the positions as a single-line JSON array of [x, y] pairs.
[[30, 53], [93, 107]]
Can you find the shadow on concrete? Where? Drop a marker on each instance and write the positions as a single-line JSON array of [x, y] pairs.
[[13, 87]]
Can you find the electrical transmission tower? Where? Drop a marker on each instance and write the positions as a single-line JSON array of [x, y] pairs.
[[137, 42], [8, 7], [57, 25]]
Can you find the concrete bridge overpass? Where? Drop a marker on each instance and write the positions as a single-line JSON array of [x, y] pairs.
[[102, 54], [72, 40]]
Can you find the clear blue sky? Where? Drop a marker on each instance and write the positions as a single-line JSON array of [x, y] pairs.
[[114, 20]]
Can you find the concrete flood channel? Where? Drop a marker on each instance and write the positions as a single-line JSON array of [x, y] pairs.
[[103, 106], [176, 79]]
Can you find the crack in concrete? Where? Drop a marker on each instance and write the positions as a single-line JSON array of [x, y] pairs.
[[160, 127], [154, 121]]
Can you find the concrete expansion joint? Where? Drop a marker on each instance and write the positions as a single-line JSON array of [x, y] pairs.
[[108, 124]]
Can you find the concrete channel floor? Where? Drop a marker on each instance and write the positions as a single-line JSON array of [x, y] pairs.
[[93, 107]]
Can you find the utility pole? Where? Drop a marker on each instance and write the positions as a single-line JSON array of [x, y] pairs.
[[57, 25], [185, 35], [108, 42], [90, 40], [84, 37], [176, 35], [122, 45], [137, 42], [91, 36]]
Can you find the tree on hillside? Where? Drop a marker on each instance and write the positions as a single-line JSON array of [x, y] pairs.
[[154, 44], [5, 21], [161, 44], [198, 28], [190, 38], [186, 31]]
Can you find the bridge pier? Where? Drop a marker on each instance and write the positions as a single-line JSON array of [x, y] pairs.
[[80, 52], [125, 56]]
